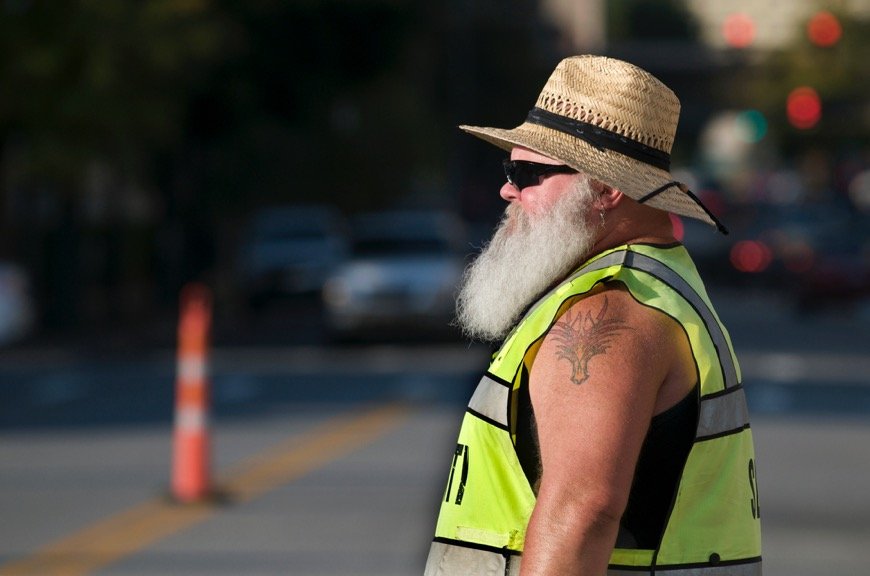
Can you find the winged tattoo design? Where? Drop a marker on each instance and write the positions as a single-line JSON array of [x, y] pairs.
[[580, 337]]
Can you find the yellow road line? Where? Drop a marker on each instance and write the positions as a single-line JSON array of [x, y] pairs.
[[109, 540]]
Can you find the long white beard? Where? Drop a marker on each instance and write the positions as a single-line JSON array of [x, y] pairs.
[[525, 257]]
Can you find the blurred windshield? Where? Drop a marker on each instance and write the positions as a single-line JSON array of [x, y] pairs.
[[293, 224], [405, 234], [400, 246]]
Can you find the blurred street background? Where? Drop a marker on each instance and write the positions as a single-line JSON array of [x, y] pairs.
[[300, 162]]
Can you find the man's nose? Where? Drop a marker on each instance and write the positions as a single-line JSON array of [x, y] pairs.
[[509, 192]]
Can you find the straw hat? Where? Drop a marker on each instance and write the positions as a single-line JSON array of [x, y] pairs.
[[613, 121]]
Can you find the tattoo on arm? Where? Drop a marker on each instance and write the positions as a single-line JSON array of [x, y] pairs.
[[580, 337]]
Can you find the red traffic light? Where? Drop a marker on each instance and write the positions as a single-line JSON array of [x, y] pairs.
[[751, 256], [738, 30], [804, 107], [824, 29]]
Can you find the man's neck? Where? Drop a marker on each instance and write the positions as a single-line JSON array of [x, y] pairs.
[[619, 231]]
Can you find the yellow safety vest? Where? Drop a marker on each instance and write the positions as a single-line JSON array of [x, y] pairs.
[[713, 528]]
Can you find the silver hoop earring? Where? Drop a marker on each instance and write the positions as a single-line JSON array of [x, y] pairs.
[[601, 213]]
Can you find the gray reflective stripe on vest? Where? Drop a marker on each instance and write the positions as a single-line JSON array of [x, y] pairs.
[[675, 281], [451, 560], [722, 413], [726, 569], [490, 400], [718, 414], [658, 270]]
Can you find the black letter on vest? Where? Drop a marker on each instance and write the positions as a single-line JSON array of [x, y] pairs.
[[753, 485], [464, 478], [461, 451]]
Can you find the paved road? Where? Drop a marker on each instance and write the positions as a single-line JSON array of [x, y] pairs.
[[332, 462], [70, 500]]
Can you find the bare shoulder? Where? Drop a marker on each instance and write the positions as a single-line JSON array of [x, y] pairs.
[[623, 352], [607, 325]]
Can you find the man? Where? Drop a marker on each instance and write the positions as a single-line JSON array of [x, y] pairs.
[[610, 432]]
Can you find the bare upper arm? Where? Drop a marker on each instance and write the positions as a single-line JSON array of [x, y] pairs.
[[603, 370]]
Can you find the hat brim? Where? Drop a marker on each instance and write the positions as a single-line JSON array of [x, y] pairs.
[[631, 177]]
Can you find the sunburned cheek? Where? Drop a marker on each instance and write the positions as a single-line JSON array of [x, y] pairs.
[[539, 204]]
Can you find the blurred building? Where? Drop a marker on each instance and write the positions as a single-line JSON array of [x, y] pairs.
[[764, 25], [582, 23]]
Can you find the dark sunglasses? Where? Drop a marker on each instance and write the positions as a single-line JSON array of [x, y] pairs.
[[521, 173]]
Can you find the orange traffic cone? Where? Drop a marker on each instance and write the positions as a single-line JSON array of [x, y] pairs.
[[191, 460]]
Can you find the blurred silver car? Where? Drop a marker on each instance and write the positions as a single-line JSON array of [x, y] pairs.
[[17, 307], [401, 278], [291, 250]]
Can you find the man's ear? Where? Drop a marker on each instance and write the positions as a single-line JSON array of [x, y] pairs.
[[608, 196]]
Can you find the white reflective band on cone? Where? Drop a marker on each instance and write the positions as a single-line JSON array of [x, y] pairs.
[[190, 419], [191, 368]]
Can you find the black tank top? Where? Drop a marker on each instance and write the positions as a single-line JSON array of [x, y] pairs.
[[659, 466]]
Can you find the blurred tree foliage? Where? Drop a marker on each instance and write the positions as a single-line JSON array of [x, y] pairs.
[[649, 19], [300, 113], [99, 80], [248, 101], [91, 93], [135, 136]]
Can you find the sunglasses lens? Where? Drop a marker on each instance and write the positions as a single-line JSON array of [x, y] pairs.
[[520, 175], [523, 174]]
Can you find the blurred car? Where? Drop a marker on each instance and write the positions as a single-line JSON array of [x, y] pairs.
[[291, 250], [839, 274], [706, 245], [17, 308], [401, 277], [781, 242]]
